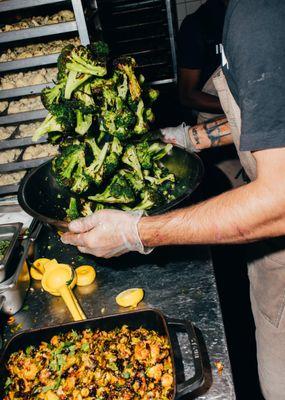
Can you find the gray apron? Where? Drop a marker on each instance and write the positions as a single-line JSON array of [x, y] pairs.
[[208, 88], [266, 270]]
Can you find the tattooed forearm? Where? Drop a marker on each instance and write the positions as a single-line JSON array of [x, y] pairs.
[[211, 134]]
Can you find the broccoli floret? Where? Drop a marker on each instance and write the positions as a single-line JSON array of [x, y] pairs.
[[87, 208], [109, 97], [112, 160], [149, 115], [95, 171], [148, 153], [62, 60], [51, 96], [50, 124], [159, 181], [99, 49], [84, 114], [66, 164], [119, 191], [80, 180], [127, 65], [130, 158], [162, 152], [65, 114], [80, 59], [150, 198], [152, 95], [123, 87], [134, 180], [141, 125], [73, 82], [72, 211]]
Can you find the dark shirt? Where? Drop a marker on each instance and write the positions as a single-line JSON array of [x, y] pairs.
[[198, 37], [254, 46]]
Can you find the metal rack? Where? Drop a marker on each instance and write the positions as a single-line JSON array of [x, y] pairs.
[[144, 29], [22, 37]]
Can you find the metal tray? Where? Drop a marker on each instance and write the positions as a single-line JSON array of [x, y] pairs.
[[43, 198], [23, 91], [148, 318], [13, 290], [25, 63], [40, 31], [9, 232], [10, 5]]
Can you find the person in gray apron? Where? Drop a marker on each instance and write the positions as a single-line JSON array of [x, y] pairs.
[[253, 213]]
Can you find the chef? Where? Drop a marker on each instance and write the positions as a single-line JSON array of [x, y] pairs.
[[251, 89]]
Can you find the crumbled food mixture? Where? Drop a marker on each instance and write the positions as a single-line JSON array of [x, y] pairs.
[[34, 50], [3, 106], [4, 244], [8, 156], [6, 132], [25, 104], [40, 151], [26, 130], [11, 178], [33, 22], [38, 77], [122, 364]]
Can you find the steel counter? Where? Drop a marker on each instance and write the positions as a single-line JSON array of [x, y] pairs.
[[179, 281]]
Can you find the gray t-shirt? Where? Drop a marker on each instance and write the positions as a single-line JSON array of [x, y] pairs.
[[254, 46]]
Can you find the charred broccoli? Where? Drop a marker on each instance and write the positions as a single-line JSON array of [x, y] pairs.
[[69, 168], [49, 125], [72, 211], [127, 65], [131, 159], [150, 198], [118, 192]]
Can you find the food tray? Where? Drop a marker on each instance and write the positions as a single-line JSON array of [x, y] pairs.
[[150, 319], [11, 233]]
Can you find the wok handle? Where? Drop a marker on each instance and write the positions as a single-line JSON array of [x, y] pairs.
[[197, 380]]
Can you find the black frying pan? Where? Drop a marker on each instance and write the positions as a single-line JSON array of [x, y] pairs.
[[148, 318], [43, 198]]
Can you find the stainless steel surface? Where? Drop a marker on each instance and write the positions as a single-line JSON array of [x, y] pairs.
[[179, 281], [171, 37], [13, 291], [80, 21], [10, 5], [41, 31], [11, 233]]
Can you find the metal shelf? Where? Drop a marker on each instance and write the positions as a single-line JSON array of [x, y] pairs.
[[20, 142], [41, 31], [23, 91], [18, 166], [31, 62], [10, 5], [9, 189], [23, 117]]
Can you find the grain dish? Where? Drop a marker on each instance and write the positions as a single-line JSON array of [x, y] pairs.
[[121, 364]]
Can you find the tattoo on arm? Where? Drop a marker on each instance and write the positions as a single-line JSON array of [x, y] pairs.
[[211, 134]]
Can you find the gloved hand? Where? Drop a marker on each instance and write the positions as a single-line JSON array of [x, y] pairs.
[[179, 136], [106, 233]]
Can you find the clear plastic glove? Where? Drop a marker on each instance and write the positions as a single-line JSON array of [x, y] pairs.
[[106, 233], [179, 136]]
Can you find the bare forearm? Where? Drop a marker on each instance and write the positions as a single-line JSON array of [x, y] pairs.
[[201, 101], [211, 134], [242, 215]]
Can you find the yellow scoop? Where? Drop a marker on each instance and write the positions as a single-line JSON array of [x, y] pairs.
[[58, 281]]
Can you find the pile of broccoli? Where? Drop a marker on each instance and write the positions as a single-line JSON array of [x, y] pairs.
[[100, 114]]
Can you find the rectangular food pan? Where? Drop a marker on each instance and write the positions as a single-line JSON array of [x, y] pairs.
[[9, 232], [150, 319]]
